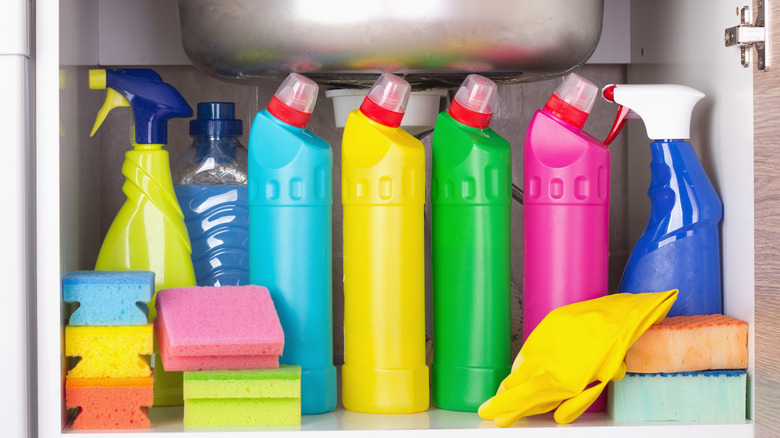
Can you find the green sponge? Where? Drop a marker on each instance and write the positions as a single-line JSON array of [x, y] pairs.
[[268, 397], [712, 396], [282, 382], [221, 412]]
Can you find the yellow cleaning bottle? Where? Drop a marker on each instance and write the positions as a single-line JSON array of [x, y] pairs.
[[383, 192], [148, 233]]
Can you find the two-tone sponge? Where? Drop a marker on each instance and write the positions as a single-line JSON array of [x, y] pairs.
[[234, 334], [111, 383], [243, 397], [686, 368], [218, 328]]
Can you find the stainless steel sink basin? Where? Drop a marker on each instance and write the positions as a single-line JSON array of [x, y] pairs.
[[430, 42]]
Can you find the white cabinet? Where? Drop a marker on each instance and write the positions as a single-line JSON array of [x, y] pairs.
[[670, 41]]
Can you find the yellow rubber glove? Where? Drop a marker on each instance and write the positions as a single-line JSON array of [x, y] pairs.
[[573, 347]]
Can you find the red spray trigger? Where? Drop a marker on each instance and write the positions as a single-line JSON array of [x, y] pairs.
[[620, 119]]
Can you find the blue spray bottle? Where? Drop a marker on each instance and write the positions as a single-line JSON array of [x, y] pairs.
[[680, 247], [210, 182], [290, 202]]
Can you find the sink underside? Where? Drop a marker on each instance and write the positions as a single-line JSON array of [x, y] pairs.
[[431, 43]]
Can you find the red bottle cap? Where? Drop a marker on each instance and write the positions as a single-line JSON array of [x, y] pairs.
[[573, 100], [294, 101], [474, 102], [386, 102]]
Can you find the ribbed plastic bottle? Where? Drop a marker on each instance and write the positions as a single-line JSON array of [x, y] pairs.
[[383, 192], [680, 247], [210, 180], [290, 203], [565, 205], [471, 199], [148, 233]]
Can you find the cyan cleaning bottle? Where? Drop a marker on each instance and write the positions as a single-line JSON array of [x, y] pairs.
[[290, 203], [471, 199], [680, 247], [210, 180], [383, 192], [148, 233], [565, 205]]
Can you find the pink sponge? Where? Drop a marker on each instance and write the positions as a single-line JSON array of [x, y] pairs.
[[218, 328]]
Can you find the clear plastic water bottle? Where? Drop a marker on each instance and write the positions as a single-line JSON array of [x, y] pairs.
[[210, 183]]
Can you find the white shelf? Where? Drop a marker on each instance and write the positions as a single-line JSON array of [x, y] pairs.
[[435, 422]]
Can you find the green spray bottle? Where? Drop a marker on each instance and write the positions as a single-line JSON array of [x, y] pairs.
[[471, 196], [148, 233]]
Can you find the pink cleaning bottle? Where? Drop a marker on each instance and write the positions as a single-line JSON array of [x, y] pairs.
[[565, 205]]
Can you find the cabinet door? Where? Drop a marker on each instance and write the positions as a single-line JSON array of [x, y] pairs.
[[766, 125]]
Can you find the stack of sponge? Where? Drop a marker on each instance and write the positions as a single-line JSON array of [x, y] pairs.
[[228, 340], [686, 368], [111, 383]]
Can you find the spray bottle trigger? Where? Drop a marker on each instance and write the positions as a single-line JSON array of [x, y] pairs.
[[617, 126], [114, 99]]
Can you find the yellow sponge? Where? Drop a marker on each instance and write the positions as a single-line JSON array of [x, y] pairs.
[[109, 351]]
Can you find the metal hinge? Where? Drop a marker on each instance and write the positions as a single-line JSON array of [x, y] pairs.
[[748, 35]]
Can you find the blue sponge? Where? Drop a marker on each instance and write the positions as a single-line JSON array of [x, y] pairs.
[[109, 297], [711, 396]]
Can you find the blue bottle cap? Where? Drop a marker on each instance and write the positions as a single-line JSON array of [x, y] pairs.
[[216, 119]]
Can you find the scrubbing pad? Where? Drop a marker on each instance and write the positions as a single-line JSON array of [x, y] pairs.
[[118, 403], [282, 382], [715, 396], [243, 398], [690, 343], [112, 351], [195, 363], [198, 325], [109, 297], [204, 412]]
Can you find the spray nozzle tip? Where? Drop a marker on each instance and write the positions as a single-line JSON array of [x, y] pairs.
[[97, 79], [609, 93]]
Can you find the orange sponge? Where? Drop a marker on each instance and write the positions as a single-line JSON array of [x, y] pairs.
[[690, 343], [110, 403]]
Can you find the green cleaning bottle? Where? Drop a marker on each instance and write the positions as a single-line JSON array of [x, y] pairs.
[[471, 198], [148, 233]]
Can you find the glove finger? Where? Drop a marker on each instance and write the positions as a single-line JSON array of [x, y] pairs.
[[525, 397], [572, 408], [621, 372], [506, 419]]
